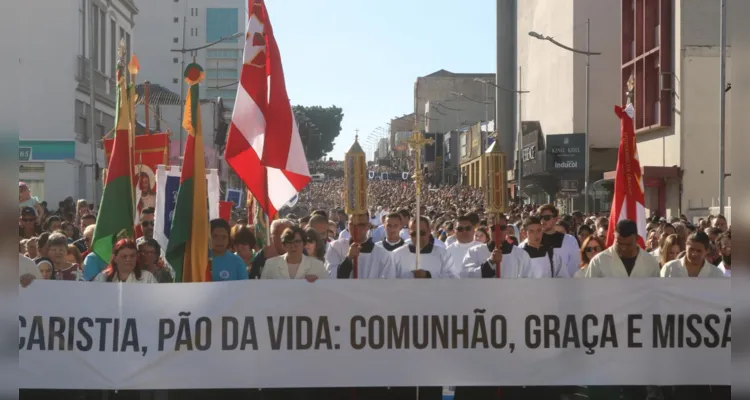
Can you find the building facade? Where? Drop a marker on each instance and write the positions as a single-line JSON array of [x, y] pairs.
[[164, 26], [472, 145], [445, 100], [671, 49], [556, 81], [55, 157]]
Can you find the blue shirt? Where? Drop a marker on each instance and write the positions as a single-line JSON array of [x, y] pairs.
[[92, 266], [228, 267]]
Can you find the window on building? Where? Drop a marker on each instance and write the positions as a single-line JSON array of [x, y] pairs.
[[82, 16], [221, 22], [176, 20], [175, 60], [103, 41], [127, 48], [175, 40], [95, 56], [113, 47], [647, 57], [175, 80]]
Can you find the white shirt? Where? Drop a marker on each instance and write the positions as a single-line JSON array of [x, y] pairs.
[[458, 251], [404, 233], [345, 234], [146, 277], [570, 253], [514, 264], [676, 269], [438, 262], [539, 265], [27, 266], [450, 240], [437, 243], [723, 268], [608, 264], [374, 265]]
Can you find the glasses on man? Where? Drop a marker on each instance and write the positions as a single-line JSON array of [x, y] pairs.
[[463, 229], [295, 242], [546, 217], [414, 234], [147, 223], [501, 227]]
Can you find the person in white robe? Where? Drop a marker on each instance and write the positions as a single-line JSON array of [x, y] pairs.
[[545, 263], [378, 234], [463, 241], [724, 243], [391, 228], [435, 241], [434, 261], [564, 245], [294, 264], [694, 264], [481, 260], [373, 262], [624, 258]]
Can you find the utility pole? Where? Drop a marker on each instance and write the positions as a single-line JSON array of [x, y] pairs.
[[587, 162], [92, 101], [722, 103], [182, 83]]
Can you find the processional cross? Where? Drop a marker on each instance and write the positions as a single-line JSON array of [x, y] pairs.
[[417, 141]]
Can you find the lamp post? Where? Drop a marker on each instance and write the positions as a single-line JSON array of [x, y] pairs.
[[588, 53], [519, 132]]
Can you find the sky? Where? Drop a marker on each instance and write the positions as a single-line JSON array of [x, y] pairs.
[[365, 55]]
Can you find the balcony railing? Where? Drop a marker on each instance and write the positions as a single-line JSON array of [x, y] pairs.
[[104, 86]]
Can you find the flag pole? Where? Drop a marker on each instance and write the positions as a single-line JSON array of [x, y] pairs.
[[265, 215]]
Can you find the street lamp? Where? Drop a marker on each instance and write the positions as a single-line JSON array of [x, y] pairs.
[[588, 53], [520, 126]]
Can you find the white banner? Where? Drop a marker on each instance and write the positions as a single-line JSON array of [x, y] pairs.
[[380, 332]]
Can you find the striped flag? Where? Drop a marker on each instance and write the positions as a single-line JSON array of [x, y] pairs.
[[116, 210], [187, 250], [629, 198], [263, 144]]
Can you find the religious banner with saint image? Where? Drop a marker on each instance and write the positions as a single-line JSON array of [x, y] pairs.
[[150, 151]]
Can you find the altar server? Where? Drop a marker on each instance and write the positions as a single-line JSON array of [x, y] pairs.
[[434, 261], [392, 227], [373, 262], [480, 261], [564, 245], [544, 262], [357, 257], [463, 241]]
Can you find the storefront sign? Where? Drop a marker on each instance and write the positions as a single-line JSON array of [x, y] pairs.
[[566, 152], [569, 185], [532, 148], [24, 153]]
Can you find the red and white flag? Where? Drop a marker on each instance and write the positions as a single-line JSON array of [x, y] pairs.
[[629, 199], [263, 144]]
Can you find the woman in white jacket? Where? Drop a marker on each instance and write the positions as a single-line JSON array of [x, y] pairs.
[[694, 264], [294, 264]]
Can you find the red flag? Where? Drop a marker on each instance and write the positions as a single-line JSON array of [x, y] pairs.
[[629, 199], [263, 144]]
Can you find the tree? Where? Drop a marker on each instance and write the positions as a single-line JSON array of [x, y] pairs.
[[318, 128]]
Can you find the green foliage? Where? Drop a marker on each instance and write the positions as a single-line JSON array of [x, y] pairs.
[[318, 128]]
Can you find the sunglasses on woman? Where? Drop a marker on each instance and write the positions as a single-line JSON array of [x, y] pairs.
[[593, 249]]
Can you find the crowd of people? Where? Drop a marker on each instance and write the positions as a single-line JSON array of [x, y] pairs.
[[457, 239]]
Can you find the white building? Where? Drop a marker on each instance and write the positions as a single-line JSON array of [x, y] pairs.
[[54, 135], [166, 25], [556, 81]]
